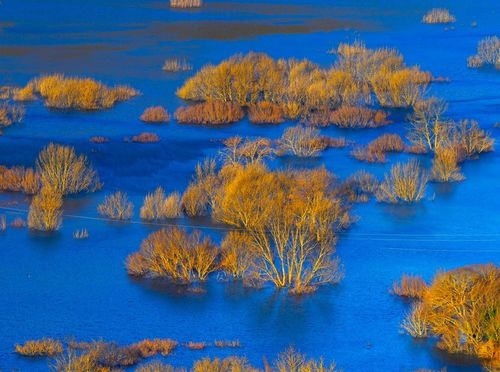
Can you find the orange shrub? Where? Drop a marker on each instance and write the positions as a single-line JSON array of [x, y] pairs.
[[196, 345], [99, 139], [210, 112], [45, 213], [406, 182], [174, 254], [116, 206], [358, 117], [62, 170], [375, 151], [237, 254], [10, 114], [155, 114], [43, 347], [185, 3], [64, 92], [18, 223], [445, 166], [265, 113], [358, 187], [148, 348], [146, 137], [19, 179], [410, 286]]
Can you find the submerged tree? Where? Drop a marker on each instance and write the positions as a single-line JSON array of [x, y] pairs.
[[45, 213], [62, 170]]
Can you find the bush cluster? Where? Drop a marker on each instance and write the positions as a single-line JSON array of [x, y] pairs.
[[461, 309], [64, 92], [210, 112], [488, 53], [155, 114], [406, 182], [116, 206], [10, 114], [158, 206], [438, 15]]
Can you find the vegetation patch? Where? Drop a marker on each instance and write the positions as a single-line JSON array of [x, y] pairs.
[[488, 53], [62, 92], [210, 112], [438, 16], [155, 114]]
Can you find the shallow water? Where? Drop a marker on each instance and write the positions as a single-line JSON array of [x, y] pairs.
[[56, 286]]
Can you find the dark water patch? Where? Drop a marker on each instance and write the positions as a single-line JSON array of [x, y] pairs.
[[57, 53]]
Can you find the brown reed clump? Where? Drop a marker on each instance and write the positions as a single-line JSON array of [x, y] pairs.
[[116, 206], [193, 345], [99, 139], [358, 117], [226, 343], [410, 286], [210, 112], [63, 92], [186, 3], [146, 137], [155, 114], [37, 348], [375, 151], [18, 223], [438, 16], [265, 113], [176, 65], [81, 234]]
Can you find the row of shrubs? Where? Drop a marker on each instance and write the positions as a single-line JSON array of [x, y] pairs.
[[106, 356], [488, 53], [460, 308]]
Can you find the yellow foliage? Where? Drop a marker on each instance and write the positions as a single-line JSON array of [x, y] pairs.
[[45, 213]]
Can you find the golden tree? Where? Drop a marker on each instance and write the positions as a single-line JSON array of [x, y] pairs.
[[62, 170], [290, 218], [45, 213]]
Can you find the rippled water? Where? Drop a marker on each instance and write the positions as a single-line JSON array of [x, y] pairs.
[[56, 286]]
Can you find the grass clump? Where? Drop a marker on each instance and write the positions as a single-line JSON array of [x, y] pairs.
[[358, 117], [406, 182], [155, 114], [194, 345], [81, 234], [10, 114], [99, 139], [488, 53], [146, 137], [185, 3], [176, 65], [45, 213], [375, 151], [210, 112], [37, 348], [63, 92], [409, 286], [265, 113], [62, 170], [18, 223], [3, 223], [174, 254], [302, 141], [438, 16], [292, 360], [116, 206], [158, 206]]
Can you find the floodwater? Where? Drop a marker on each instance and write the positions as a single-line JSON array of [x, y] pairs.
[[56, 286]]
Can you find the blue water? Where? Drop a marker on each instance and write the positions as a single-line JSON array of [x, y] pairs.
[[58, 287]]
